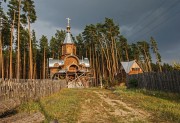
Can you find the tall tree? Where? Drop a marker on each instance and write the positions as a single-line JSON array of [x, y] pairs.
[[14, 7], [135, 51], [4, 37], [44, 52], [24, 49], [154, 47], [144, 48], [35, 54], [30, 14], [101, 43], [18, 41], [11, 48], [12, 13], [80, 46], [1, 47], [59, 36], [124, 46], [112, 32], [53, 47]]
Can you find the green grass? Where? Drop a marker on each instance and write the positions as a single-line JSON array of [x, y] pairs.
[[162, 105], [63, 106], [68, 105]]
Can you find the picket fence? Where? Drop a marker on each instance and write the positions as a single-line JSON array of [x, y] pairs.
[[29, 89], [162, 81]]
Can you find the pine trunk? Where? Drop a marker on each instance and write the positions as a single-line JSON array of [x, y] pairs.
[[1, 57], [127, 57], [2, 66], [11, 50], [18, 44], [44, 65], [30, 52], [24, 66], [34, 73]]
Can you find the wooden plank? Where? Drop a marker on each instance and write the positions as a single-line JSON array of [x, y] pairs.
[[167, 81]]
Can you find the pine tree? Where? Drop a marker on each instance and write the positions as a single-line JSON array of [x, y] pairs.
[[12, 12], [154, 47], [80, 46], [53, 47], [44, 53], [30, 15], [144, 49], [35, 54], [1, 47], [124, 46], [18, 41], [24, 52], [101, 45], [4, 37], [59, 36]]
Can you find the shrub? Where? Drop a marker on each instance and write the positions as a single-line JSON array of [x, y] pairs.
[[133, 83]]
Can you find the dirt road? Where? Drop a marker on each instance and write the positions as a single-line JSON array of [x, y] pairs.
[[103, 108]]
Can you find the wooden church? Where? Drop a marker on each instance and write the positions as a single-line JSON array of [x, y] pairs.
[[74, 70]]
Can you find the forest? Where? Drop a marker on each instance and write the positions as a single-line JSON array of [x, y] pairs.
[[22, 56]]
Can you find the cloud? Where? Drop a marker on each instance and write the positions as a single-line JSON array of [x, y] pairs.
[[48, 29], [44, 28], [138, 19]]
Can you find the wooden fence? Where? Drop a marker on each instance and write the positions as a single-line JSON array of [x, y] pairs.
[[164, 81], [29, 89]]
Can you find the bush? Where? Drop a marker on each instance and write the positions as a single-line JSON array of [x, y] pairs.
[[133, 83]]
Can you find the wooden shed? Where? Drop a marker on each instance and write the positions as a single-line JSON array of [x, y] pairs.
[[131, 67]]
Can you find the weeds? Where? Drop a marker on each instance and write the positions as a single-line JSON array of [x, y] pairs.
[[162, 105], [71, 105]]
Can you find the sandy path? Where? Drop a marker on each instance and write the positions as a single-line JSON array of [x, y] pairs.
[[107, 110]]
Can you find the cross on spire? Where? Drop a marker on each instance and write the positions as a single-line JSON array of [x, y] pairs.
[[68, 19]]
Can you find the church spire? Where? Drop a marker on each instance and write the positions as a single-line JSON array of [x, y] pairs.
[[68, 39], [68, 25]]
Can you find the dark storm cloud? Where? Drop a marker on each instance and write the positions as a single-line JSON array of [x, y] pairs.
[[91, 11], [138, 19]]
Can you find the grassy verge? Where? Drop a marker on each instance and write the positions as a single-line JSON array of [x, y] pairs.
[[84, 105], [66, 105], [162, 105], [63, 106]]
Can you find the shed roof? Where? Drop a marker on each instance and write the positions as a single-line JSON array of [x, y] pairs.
[[127, 65]]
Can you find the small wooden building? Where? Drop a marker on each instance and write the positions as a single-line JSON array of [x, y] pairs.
[[131, 67]]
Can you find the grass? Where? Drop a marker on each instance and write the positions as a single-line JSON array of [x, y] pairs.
[[82, 105], [66, 105], [63, 106], [162, 105]]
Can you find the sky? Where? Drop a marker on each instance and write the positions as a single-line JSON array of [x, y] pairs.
[[138, 20]]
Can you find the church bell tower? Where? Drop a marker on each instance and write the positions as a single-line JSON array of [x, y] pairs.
[[68, 47]]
